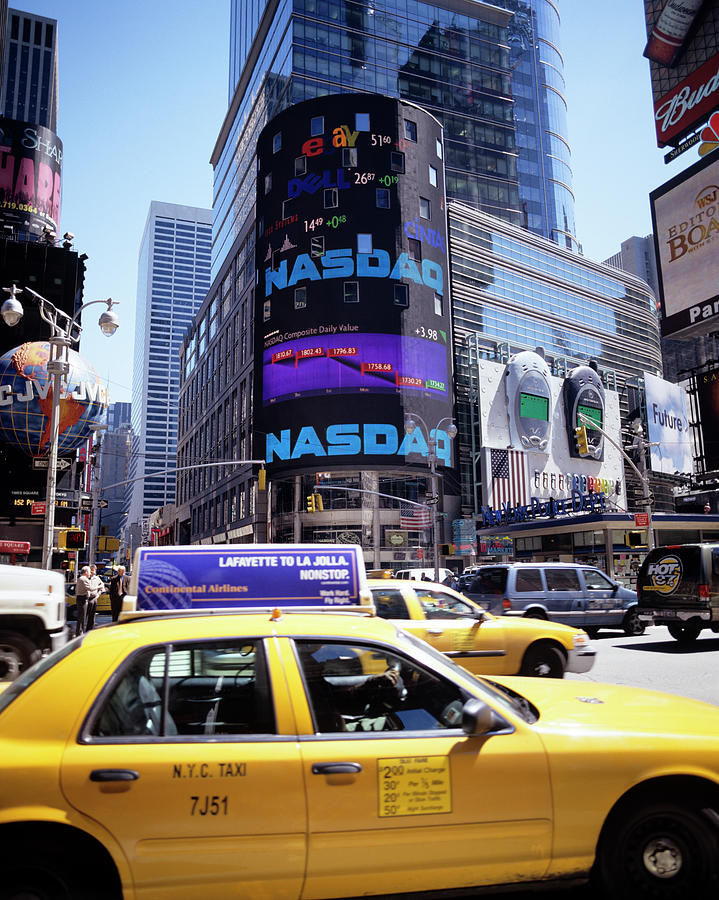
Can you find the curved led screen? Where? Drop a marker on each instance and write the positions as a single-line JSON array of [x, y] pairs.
[[352, 322]]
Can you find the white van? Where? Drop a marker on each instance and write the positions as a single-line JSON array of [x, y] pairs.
[[445, 575], [32, 617]]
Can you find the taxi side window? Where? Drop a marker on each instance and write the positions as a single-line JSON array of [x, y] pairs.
[[438, 605], [196, 689], [360, 688], [390, 604], [529, 580]]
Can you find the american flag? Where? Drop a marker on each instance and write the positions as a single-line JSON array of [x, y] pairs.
[[414, 516], [509, 482]]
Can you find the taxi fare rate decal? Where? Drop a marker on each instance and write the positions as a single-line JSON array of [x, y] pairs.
[[414, 786]]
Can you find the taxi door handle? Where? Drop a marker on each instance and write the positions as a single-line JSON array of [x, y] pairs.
[[335, 768], [114, 775]]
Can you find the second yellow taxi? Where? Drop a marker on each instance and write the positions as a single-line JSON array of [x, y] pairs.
[[478, 641]]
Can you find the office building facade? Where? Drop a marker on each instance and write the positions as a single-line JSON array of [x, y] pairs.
[[173, 279], [29, 89]]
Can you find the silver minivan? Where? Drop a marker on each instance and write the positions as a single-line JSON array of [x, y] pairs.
[[574, 594]]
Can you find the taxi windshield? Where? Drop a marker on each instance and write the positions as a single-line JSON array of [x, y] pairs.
[[34, 672], [508, 700]]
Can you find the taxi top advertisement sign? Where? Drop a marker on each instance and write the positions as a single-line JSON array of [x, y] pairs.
[[248, 576]]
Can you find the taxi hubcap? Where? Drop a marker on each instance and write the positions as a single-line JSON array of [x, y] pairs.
[[663, 858]]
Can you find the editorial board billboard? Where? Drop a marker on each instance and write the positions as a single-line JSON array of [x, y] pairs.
[[685, 216], [352, 315], [668, 432]]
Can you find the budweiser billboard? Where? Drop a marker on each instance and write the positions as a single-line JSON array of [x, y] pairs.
[[683, 48]]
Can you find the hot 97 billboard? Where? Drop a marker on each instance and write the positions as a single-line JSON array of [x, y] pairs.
[[352, 323], [685, 213]]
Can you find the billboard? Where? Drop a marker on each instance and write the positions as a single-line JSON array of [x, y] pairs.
[[685, 216], [546, 479], [708, 397], [683, 44], [352, 313], [30, 176], [667, 426]]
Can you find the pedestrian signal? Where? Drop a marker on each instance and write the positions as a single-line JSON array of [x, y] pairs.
[[73, 539]]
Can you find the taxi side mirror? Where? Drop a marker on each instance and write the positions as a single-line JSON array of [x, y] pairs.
[[479, 718]]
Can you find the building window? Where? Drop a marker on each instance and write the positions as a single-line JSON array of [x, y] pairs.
[[382, 198], [401, 295], [317, 126], [438, 304], [286, 209], [361, 121], [433, 176], [425, 208], [266, 310], [317, 246], [410, 130], [351, 291], [268, 183], [349, 157], [300, 165], [331, 198], [396, 161], [439, 148], [301, 298], [364, 243], [277, 142], [415, 249]]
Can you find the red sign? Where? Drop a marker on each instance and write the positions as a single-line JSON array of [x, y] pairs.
[[688, 103], [641, 520], [14, 546], [39, 508]]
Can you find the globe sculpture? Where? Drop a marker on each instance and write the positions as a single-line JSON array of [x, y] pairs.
[[26, 397]]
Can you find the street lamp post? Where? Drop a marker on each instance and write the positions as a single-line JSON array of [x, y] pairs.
[[409, 426], [64, 332]]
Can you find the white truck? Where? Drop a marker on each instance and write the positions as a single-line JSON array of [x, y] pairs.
[[32, 617]]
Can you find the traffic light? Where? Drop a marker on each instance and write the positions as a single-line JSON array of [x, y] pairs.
[[72, 539], [319, 505], [311, 507], [580, 437], [59, 560]]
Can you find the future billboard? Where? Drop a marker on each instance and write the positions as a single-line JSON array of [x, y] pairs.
[[352, 321], [30, 176], [531, 479], [668, 426], [685, 215]]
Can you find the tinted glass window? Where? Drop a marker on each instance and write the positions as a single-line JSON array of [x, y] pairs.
[[715, 562], [490, 581], [390, 604], [529, 580], [366, 688], [562, 579]]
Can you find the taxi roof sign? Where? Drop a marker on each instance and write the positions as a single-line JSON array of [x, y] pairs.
[[231, 577]]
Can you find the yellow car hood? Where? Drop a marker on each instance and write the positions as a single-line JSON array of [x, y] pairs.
[[613, 709]]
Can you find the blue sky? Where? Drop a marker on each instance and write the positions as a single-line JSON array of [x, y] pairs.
[[143, 92]]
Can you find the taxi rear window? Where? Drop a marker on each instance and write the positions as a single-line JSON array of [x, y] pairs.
[[23, 682]]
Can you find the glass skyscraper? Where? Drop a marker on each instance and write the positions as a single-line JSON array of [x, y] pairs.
[[173, 279], [491, 74], [29, 88]]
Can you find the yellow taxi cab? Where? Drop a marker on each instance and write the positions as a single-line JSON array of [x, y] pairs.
[[202, 747], [482, 643]]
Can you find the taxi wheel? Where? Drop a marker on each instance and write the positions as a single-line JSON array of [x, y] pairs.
[[543, 661], [68, 871], [632, 624], [664, 852], [17, 653]]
